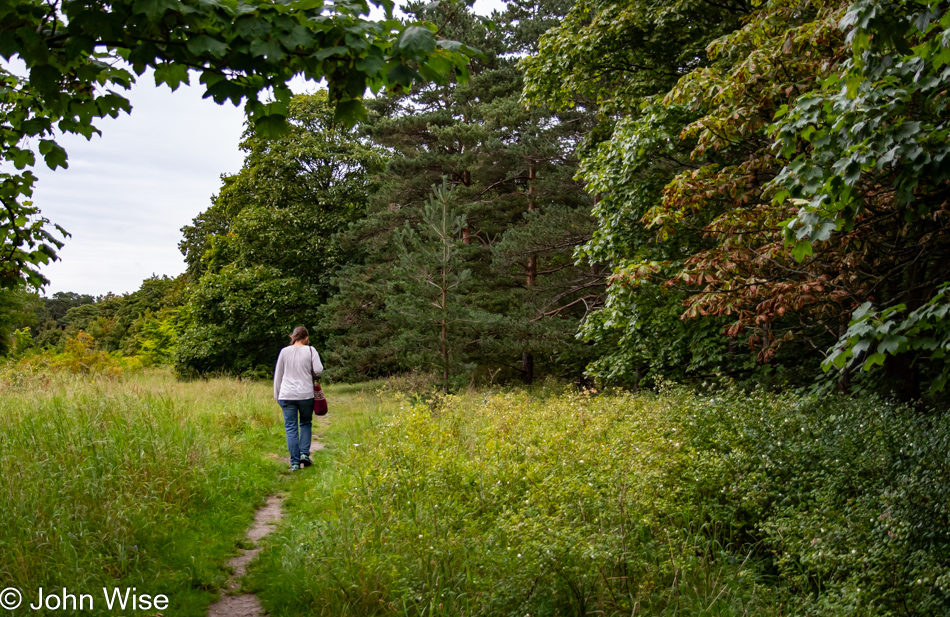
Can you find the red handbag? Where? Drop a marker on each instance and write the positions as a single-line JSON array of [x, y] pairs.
[[319, 400]]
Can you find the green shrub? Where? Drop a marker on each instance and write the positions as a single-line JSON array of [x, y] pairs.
[[153, 337], [850, 497]]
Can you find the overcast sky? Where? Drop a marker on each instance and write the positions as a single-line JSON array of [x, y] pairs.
[[127, 194]]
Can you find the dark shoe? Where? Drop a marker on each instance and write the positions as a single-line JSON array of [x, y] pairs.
[[305, 460]]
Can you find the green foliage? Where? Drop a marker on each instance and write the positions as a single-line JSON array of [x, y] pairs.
[[506, 504], [426, 303], [22, 341], [631, 325], [873, 335], [139, 481], [880, 121], [17, 311], [109, 319], [848, 496], [75, 54], [613, 54], [664, 503], [511, 171], [261, 258], [237, 320], [755, 179], [154, 337], [50, 316], [80, 355], [56, 306], [621, 58]]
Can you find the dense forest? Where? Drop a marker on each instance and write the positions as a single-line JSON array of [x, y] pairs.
[[615, 192]]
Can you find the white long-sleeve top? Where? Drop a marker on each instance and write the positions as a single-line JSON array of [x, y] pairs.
[[293, 380]]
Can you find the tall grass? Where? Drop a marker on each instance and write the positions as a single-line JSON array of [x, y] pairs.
[[507, 504], [670, 503], [489, 503], [139, 481]]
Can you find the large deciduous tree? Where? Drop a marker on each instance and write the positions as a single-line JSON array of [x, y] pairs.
[[868, 172], [795, 176], [623, 57], [262, 256], [78, 54]]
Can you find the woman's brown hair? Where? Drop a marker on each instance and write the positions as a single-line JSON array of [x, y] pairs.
[[299, 334]]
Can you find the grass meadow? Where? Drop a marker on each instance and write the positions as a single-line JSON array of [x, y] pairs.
[[522, 503], [140, 481], [562, 503], [505, 504]]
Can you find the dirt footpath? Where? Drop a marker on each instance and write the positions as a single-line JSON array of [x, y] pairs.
[[265, 521]]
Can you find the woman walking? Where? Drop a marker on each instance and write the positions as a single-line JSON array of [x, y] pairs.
[[297, 365]]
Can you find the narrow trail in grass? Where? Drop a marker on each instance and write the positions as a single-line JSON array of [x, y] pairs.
[[247, 604], [265, 521]]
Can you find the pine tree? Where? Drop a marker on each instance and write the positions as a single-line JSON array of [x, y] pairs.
[[428, 301], [512, 173]]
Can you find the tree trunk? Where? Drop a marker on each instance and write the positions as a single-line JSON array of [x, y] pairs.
[[466, 231], [445, 301], [445, 357], [531, 273]]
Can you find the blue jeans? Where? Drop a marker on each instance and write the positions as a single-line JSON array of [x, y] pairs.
[[298, 444]]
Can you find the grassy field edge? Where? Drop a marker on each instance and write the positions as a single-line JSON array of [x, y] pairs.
[[142, 482]]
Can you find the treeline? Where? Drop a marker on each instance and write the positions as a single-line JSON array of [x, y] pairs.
[[143, 323], [439, 234], [626, 192]]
